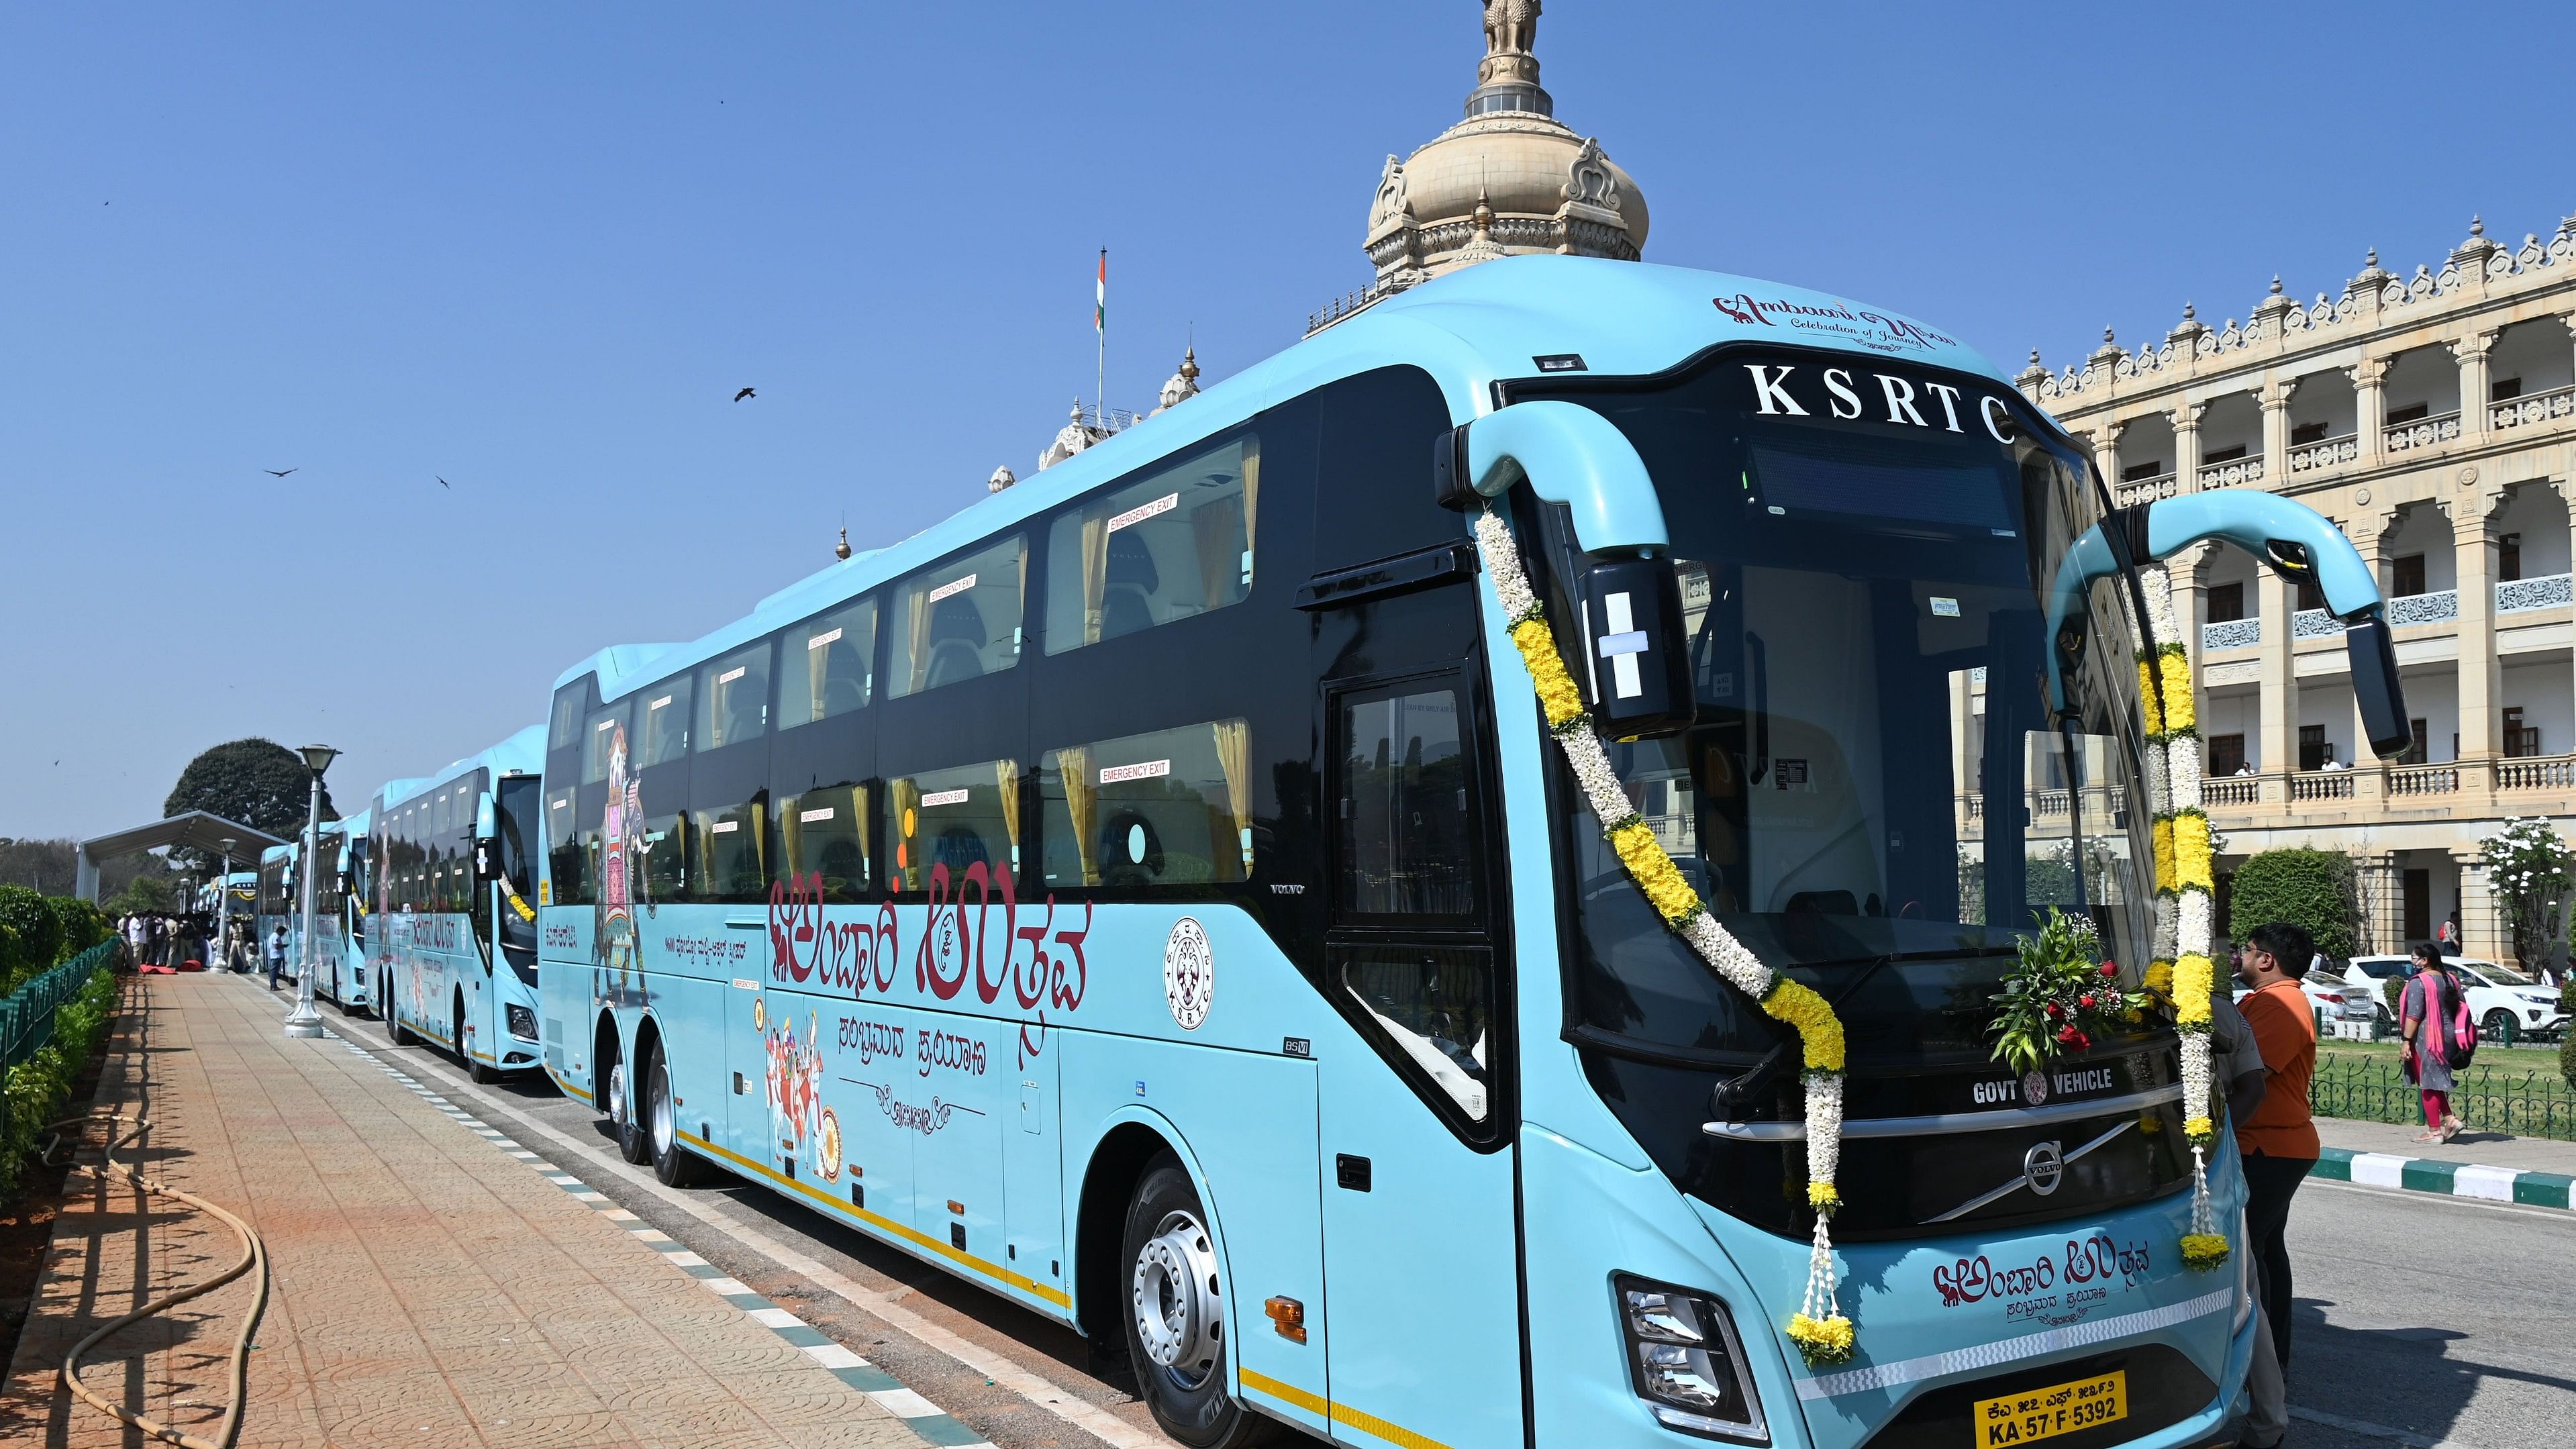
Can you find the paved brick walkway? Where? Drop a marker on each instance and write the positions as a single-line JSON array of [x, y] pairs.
[[426, 1288]]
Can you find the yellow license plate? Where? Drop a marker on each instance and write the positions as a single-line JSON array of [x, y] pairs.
[[2058, 1409]]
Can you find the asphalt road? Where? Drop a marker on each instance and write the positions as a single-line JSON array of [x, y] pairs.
[[2425, 1320], [2421, 1321]]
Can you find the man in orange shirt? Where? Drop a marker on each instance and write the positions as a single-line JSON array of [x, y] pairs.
[[2278, 1140]]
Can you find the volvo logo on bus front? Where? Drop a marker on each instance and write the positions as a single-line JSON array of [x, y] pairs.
[[2044, 1166]]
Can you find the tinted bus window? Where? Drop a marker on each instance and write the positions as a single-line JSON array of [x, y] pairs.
[[1175, 545], [733, 698], [955, 818], [824, 840], [730, 845], [1169, 808], [824, 668], [1406, 847], [563, 728], [606, 731], [958, 621], [666, 857], [666, 721], [567, 883]]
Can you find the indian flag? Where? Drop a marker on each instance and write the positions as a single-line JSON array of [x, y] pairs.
[[1100, 296]]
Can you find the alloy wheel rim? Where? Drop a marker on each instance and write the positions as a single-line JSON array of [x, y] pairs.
[[1179, 1313], [662, 1125]]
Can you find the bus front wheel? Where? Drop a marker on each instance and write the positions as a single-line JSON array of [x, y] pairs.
[[394, 1030], [1176, 1315], [475, 1071], [673, 1164]]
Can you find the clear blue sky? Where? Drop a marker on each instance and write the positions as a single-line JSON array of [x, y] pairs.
[[535, 249]]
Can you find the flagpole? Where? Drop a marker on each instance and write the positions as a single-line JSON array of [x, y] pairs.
[[1100, 327]]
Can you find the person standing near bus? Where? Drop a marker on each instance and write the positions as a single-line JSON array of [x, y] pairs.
[[2278, 1140], [138, 935], [276, 954], [2237, 1060]]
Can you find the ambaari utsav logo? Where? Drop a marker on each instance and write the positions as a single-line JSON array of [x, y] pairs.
[[1871, 329]]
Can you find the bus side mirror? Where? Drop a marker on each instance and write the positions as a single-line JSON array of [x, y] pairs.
[[2375, 690], [1635, 670], [487, 843]]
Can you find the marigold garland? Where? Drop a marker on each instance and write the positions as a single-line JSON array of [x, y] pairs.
[[1822, 1333], [2183, 874]]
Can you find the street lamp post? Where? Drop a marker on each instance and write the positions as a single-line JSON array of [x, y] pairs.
[[304, 1020]]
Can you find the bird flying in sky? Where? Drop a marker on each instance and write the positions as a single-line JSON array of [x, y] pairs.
[[442, 483], [746, 392], [277, 472]]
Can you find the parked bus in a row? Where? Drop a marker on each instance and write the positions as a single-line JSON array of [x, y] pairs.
[[1155, 893], [454, 931]]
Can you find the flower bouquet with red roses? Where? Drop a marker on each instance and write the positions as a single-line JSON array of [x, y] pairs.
[[2060, 997]]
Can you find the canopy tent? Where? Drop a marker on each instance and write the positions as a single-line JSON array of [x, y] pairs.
[[211, 834]]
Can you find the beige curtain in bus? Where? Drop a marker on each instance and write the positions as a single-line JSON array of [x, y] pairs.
[[1214, 526], [1081, 804], [1095, 573], [1251, 494], [916, 669], [1234, 756], [903, 805], [815, 680], [1006, 773], [859, 832], [791, 834]]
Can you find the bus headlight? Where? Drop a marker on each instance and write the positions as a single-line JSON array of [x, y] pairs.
[[523, 1022], [2244, 1277], [1685, 1361]]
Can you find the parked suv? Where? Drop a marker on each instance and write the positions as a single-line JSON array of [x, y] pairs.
[[2498, 995]]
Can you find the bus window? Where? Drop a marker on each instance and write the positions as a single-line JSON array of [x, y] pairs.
[[567, 883], [564, 728], [1437, 1004], [729, 848], [733, 698], [666, 721], [1175, 545], [665, 871], [1406, 849], [959, 621], [825, 670], [1169, 808], [957, 818], [824, 835], [606, 730]]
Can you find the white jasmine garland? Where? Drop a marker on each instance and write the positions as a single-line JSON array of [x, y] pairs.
[[1511, 587], [2159, 777], [1824, 1125], [2167, 911], [2183, 766], [2192, 927]]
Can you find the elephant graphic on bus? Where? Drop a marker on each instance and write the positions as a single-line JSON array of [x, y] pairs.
[[621, 860]]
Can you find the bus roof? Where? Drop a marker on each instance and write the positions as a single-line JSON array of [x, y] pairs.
[[522, 753], [1467, 329]]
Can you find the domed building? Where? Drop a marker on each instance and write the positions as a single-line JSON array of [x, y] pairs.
[[1508, 179]]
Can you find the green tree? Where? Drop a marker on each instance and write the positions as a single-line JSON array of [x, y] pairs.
[[254, 782], [2531, 871], [147, 893], [83, 925], [40, 936], [2311, 888]]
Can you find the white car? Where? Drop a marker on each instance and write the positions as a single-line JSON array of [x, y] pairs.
[[2343, 1009], [2497, 994]]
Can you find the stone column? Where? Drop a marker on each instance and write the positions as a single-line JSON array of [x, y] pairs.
[[2481, 672], [2370, 397], [2482, 928], [2186, 427], [2276, 431], [2279, 700], [2364, 758], [2189, 570], [2472, 352], [2106, 453], [2383, 895]]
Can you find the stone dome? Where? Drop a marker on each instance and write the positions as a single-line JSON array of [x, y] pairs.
[[1540, 185]]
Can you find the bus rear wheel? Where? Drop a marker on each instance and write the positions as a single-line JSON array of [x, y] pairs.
[[1176, 1315], [617, 1098], [673, 1164]]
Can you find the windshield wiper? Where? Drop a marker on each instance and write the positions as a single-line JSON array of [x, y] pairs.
[[1757, 1080]]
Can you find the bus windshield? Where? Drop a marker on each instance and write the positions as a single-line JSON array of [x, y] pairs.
[[1877, 795]]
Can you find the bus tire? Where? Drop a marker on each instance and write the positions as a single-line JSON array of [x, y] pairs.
[[475, 1071], [1175, 1314], [673, 1165], [617, 1099], [395, 1032]]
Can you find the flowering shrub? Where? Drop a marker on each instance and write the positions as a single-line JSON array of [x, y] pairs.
[[2529, 869]]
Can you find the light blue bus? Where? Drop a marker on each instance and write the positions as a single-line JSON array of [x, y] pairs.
[[454, 935], [343, 975], [1153, 893]]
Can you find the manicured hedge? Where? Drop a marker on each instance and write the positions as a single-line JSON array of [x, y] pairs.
[[38, 1087], [40, 933], [2311, 888]]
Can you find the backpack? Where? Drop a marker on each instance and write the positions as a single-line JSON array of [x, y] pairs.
[[2454, 1034]]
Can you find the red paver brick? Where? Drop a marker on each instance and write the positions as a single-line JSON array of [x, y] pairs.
[[425, 1287]]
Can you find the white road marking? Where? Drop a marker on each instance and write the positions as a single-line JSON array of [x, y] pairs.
[[2555, 1215]]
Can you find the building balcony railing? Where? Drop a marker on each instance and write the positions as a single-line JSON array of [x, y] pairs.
[[2499, 783], [2325, 453], [2231, 634], [2131, 493], [2540, 407], [2424, 780], [2315, 624], [2421, 433], [2321, 785], [2232, 790], [2556, 772], [2234, 473], [2439, 607], [2546, 592]]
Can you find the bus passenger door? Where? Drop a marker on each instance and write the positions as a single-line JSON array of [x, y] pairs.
[[1419, 1214]]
